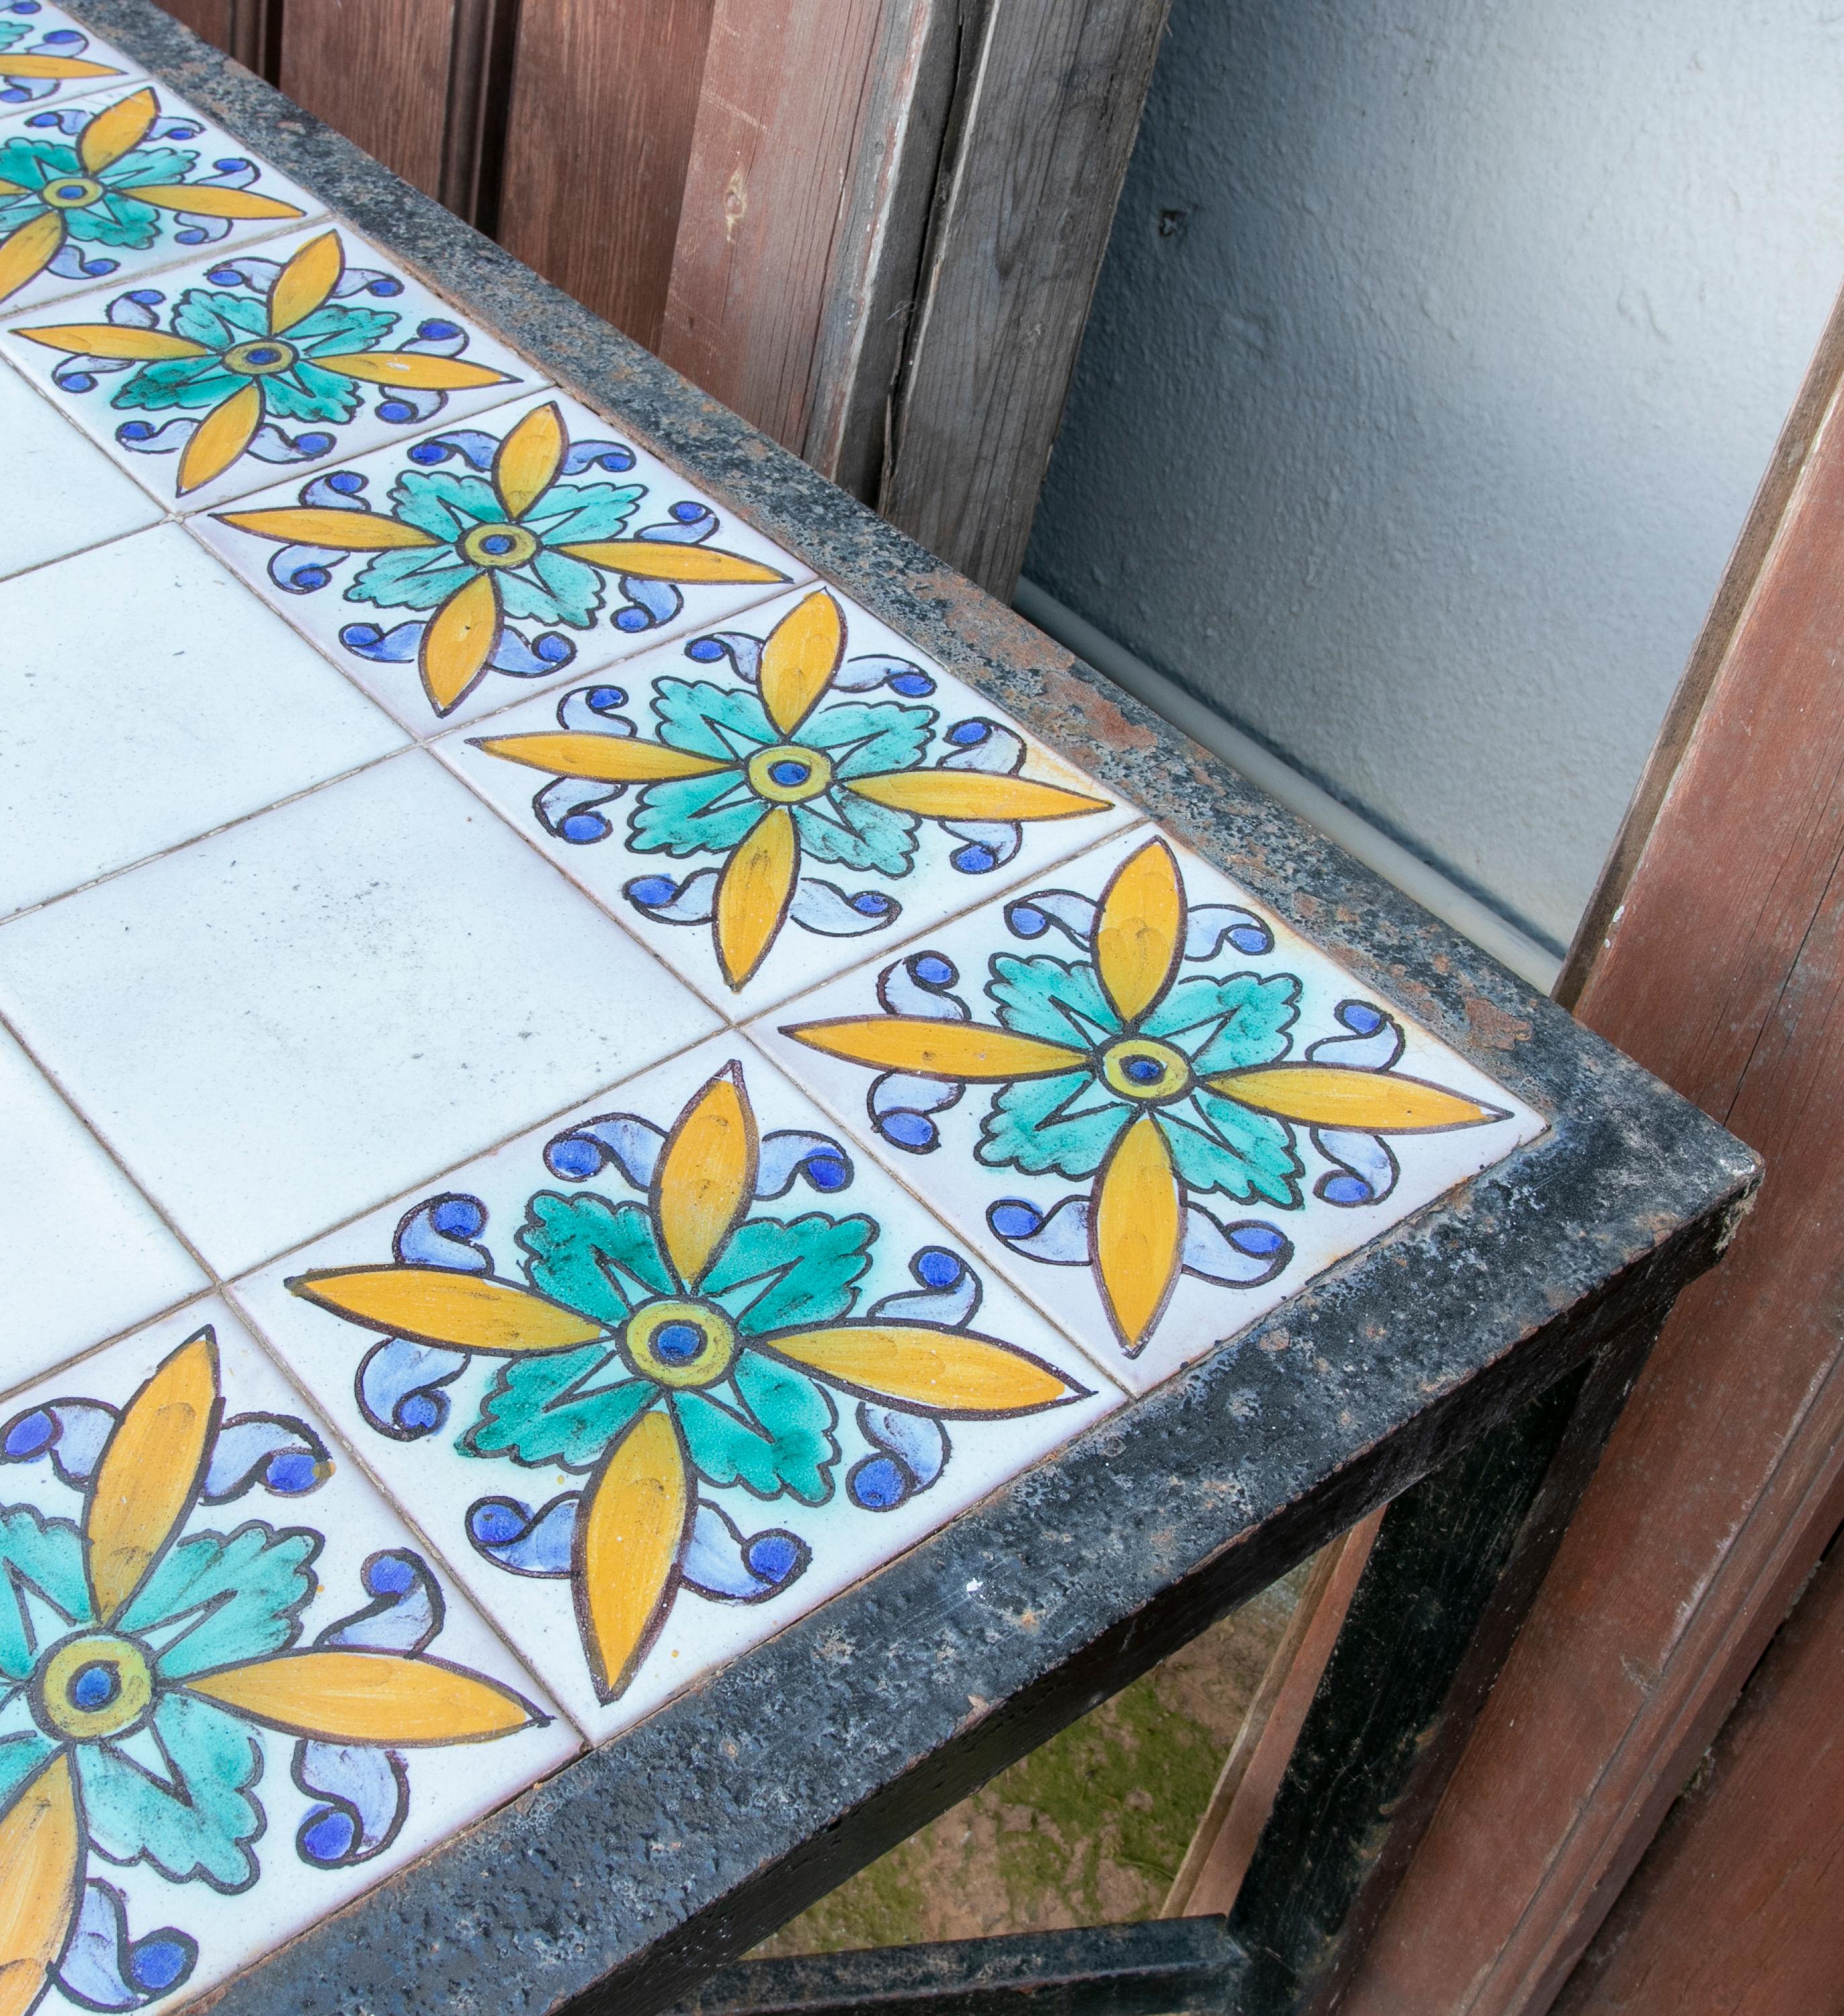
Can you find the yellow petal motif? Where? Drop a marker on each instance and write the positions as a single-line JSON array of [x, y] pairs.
[[949, 1372], [629, 1534], [114, 131], [608, 759], [411, 369], [198, 200], [458, 642], [149, 1473], [437, 1305], [526, 465], [1369, 1102], [40, 1878], [54, 67], [306, 282], [971, 794], [961, 1051], [26, 253], [372, 1698], [222, 436], [753, 894], [1139, 930], [315, 525], [659, 560], [108, 339], [798, 659], [1139, 1231], [706, 1176]]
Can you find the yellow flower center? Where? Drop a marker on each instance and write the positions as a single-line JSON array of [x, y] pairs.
[[680, 1343], [498, 545], [90, 1686], [261, 357], [787, 773], [72, 192], [1138, 1068]]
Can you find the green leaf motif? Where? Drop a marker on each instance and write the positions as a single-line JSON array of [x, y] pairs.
[[841, 827], [1217, 1145], [709, 814], [593, 1256], [729, 723], [792, 1448], [1052, 998], [243, 1594], [1065, 1125], [1227, 1025], [45, 1555], [23, 1755], [780, 1274], [202, 1829], [866, 739], [534, 1413]]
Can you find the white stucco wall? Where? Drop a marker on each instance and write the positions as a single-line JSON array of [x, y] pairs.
[[1416, 439]]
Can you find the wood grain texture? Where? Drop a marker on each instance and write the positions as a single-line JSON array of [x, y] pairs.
[[1725, 1478], [1040, 147], [785, 89], [378, 70], [1212, 1870], [1739, 1907], [604, 96], [209, 18]]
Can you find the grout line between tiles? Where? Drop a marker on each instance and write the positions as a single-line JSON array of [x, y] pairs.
[[211, 1290]]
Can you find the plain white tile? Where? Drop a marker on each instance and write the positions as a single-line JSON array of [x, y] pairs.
[[841, 915], [410, 1424], [1329, 1017], [149, 696], [33, 30], [308, 1532], [58, 493], [379, 309], [284, 1022], [355, 607], [88, 1256], [178, 145]]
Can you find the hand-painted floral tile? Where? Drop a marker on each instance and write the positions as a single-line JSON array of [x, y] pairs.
[[285, 1023], [58, 492], [235, 1691], [760, 802], [147, 698], [117, 184], [205, 379], [46, 57], [56, 1183], [662, 1377], [1137, 1091], [448, 575]]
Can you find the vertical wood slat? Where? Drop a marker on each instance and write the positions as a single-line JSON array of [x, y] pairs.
[[378, 70], [248, 30], [1739, 1903], [1721, 966], [1037, 161], [604, 96]]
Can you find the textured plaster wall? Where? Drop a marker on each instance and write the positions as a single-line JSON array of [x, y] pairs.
[[1440, 346]]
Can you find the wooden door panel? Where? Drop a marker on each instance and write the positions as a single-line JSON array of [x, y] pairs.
[[378, 70]]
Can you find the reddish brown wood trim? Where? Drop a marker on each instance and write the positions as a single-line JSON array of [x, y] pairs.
[[378, 70], [1725, 1476]]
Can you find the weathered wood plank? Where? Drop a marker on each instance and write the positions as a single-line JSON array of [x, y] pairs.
[[209, 18], [1724, 974], [1739, 1903], [604, 95], [378, 70], [1040, 144], [482, 51]]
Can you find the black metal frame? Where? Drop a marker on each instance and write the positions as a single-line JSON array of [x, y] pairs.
[[1451, 1351]]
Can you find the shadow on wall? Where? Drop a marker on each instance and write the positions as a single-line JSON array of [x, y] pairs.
[[1439, 348]]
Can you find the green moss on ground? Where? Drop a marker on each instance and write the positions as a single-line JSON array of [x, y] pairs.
[[1088, 1830]]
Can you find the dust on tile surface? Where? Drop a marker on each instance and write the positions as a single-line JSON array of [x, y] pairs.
[[511, 988]]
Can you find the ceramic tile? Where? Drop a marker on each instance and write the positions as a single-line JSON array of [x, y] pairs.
[[532, 513], [283, 1023], [121, 182], [148, 697], [101, 1259], [1135, 1090], [58, 493], [792, 820], [203, 381], [235, 1689], [46, 57], [754, 1370]]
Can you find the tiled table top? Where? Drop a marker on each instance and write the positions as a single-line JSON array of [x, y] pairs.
[[571, 1090]]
